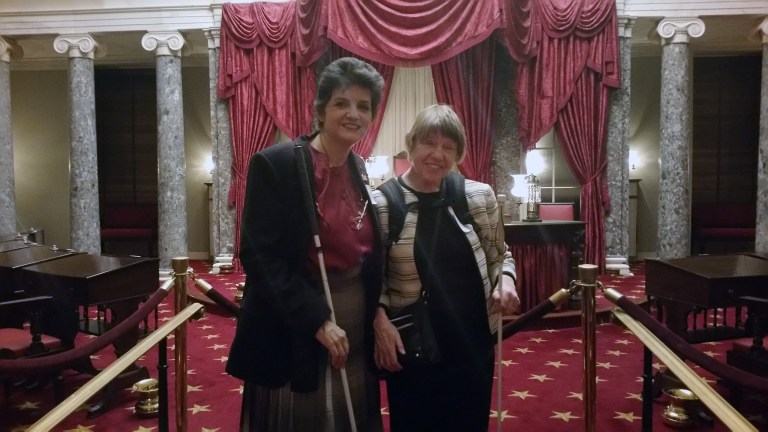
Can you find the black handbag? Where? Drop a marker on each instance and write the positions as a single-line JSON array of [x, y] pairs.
[[415, 327]]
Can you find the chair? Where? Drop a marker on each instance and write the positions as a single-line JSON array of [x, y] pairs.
[[556, 211], [18, 342], [401, 163]]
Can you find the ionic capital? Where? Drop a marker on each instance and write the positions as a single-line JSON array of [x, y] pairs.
[[8, 48], [679, 30], [762, 30], [76, 45], [163, 43]]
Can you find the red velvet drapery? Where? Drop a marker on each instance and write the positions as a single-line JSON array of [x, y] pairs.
[[466, 82], [265, 87], [555, 42], [568, 58]]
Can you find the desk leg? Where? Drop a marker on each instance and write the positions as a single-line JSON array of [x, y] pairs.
[[133, 373]]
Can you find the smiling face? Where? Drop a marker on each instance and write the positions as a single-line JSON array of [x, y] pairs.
[[347, 115], [433, 156]]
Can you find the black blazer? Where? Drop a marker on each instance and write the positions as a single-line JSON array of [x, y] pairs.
[[284, 305]]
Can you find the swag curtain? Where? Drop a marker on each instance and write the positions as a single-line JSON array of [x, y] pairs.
[[556, 42], [567, 53], [264, 86]]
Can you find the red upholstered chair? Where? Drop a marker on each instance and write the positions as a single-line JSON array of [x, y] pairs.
[[401, 163], [556, 211], [19, 342]]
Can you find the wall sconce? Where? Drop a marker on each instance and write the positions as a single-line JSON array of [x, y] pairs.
[[208, 164], [634, 159], [377, 168], [534, 198]]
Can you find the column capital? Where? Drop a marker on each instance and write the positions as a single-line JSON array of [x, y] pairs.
[[76, 45], [625, 24], [679, 30], [9, 49], [165, 43], [213, 37], [762, 30]]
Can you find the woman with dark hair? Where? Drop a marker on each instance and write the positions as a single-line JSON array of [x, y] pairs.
[[467, 273], [287, 348]]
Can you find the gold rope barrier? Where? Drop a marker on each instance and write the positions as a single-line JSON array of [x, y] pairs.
[[587, 282], [180, 267], [722, 409], [78, 398]]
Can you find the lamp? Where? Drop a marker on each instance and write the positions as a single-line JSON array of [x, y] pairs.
[[519, 190], [377, 168], [534, 198]]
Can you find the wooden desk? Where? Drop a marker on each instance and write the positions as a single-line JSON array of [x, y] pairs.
[[547, 255], [13, 260], [706, 282], [119, 283]]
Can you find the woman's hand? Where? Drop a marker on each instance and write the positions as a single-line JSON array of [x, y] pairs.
[[388, 343], [334, 339], [505, 296]]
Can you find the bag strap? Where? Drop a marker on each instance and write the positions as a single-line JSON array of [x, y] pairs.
[[397, 209]]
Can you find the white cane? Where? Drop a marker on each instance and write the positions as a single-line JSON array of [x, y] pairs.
[[310, 207], [499, 416], [327, 288]]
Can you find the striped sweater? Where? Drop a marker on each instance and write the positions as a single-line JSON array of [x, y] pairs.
[[402, 286]]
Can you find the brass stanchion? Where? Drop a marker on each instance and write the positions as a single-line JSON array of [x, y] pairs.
[[180, 267], [588, 282]]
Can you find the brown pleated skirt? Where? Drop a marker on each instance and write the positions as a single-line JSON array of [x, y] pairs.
[[324, 410]]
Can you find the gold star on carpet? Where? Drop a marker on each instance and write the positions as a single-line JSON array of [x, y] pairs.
[[565, 416], [568, 351], [165, 319], [191, 372], [27, 405], [521, 394], [537, 340], [711, 354], [606, 365], [540, 378], [81, 428], [710, 343], [550, 330], [222, 359], [209, 430], [508, 362], [628, 416], [504, 415], [574, 340], [205, 327], [556, 364], [637, 396], [191, 388], [616, 353], [622, 342], [209, 337], [523, 350], [198, 408], [218, 346], [657, 365], [143, 429], [164, 311], [95, 357], [239, 389], [385, 411], [574, 395]]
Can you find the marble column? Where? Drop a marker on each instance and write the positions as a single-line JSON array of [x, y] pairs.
[[617, 150], [85, 229], [674, 229], [171, 162], [507, 150], [7, 183], [761, 234], [223, 215]]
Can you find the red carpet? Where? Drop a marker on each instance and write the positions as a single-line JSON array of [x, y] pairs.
[[542, 379]]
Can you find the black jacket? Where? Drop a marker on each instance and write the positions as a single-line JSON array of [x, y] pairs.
[[283, 305]]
